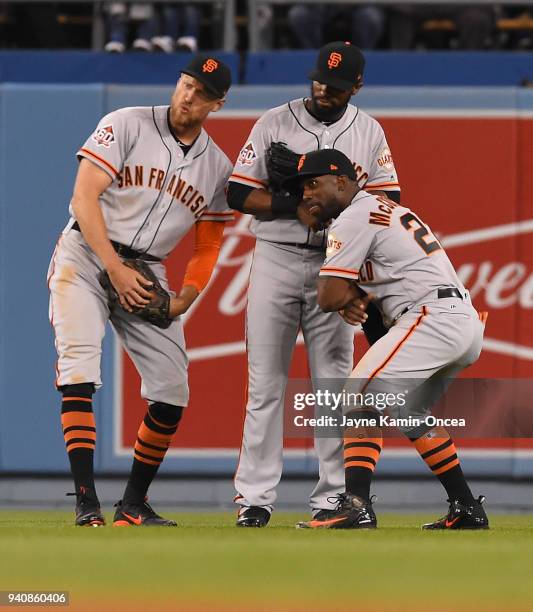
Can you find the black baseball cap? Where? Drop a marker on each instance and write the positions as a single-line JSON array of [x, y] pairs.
[[318, 163], [339, 64], [210, 71]]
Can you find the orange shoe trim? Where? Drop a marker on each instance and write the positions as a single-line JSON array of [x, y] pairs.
[[136, 520], [315, 524], [449, 524]]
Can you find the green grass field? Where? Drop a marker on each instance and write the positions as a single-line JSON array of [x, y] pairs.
[[208, 564]]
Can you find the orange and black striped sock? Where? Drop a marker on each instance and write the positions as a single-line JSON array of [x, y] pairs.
[[361, 455], [79, 431], [153, 439], [438, 450]]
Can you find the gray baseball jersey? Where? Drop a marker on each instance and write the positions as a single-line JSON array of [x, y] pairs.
[[156, 195], [356, 134], [391, 253], [282, 298]]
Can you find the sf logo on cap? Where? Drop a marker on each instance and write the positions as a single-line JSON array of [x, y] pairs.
[[210, 65], [334, 60], [301, 162]]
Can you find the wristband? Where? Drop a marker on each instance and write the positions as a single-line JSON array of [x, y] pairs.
[[284, 203]]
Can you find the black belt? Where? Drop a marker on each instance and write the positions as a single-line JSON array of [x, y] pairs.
[[300, 245], [443, 292], [124, 251], [447, 292]]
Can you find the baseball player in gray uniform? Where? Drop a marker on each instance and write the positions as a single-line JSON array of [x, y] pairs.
[[377, 247], [286, 262], [147, 175]]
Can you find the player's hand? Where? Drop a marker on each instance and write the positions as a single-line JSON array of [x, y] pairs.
[[354, 312], [179, 305], [132, 287], [306, 217]]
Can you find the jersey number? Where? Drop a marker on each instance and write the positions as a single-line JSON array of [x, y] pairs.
[[421, 234]]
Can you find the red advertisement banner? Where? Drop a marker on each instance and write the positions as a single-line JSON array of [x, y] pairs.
[[467, 178]]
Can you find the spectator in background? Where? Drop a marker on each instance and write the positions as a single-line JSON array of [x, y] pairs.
[[179, 28], [137, 17], [164, 28], [309, 24], [475, 24]]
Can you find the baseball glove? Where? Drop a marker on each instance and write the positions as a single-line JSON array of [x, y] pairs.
[[281, 163], [157, 312], [373, 327]]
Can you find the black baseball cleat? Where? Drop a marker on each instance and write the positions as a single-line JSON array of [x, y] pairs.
[[323, 515], [352, 512], [139, 515], [253, 516], [462, 517], [88, 513]]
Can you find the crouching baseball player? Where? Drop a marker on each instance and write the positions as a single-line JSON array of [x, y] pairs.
[[147, 175], [379, 249]]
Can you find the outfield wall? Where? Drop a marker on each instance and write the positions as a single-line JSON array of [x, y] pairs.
[[288, 67], [463, 157]]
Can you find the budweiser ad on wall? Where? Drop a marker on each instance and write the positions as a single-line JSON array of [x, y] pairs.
[[485, 232]]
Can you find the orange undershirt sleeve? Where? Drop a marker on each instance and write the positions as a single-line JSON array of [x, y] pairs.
[[207, 242]]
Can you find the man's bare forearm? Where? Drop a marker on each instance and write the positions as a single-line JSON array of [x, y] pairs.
[[92, 225]]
